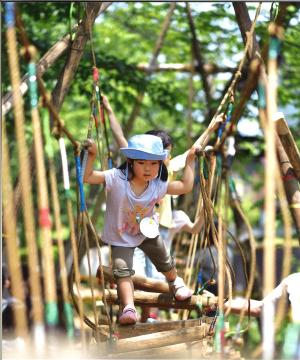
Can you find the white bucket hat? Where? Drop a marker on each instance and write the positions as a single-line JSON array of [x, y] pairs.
[[145, 147]]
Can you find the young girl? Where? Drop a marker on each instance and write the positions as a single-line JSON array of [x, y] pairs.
[[134, 191]]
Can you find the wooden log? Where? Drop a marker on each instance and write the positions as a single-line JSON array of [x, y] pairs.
[[139, 282], [143, 298], [160, 339], [288, 142], [167, 301]]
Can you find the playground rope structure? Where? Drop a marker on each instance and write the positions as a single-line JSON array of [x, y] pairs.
[[216, 188]]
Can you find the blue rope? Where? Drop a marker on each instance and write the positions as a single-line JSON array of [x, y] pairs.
[[9, 14], [80, 183]]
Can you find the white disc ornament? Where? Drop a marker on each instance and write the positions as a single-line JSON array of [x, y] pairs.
[[149, 227]]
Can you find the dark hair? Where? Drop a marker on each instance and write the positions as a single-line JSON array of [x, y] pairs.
[[163, 175], [166, 138]]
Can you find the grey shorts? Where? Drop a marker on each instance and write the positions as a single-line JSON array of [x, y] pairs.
[[155, 249]]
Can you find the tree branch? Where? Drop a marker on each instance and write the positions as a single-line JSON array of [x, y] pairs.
[[152, 63], [82, 35]]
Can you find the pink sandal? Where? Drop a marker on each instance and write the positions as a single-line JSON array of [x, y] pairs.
[[179, 290], [128, 316]]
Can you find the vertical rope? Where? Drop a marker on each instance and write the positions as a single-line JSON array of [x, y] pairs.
[[75, 265], [68, 311], [51, 309], [30, 234], [11, 241]]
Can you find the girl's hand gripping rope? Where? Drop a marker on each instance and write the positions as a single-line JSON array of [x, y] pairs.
[[90, 146], [217, 121]]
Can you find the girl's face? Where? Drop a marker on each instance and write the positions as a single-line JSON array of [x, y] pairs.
[[145, 170]]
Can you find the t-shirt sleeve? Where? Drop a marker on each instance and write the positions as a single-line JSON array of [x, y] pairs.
[[180, 218], [163, 186], [178, 162], [111, 177]]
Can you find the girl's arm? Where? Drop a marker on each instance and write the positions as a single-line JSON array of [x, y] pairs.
[[195, 227], [176, 163], [185, 185], [92, 176], [114, 124]]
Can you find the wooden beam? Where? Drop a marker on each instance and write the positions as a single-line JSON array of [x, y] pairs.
[[48, 59], [76, 51]]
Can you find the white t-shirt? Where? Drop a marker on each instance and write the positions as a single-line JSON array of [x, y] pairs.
[[122, 207]]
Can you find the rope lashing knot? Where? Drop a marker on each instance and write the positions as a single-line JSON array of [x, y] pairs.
[[29, 52], [44, 218], [276, 36], [95, 74], [199, 152], [111, 343], [199, 303], [33, 85]]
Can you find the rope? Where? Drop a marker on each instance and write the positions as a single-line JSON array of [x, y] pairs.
[[26, 188], [11, 241], [51, 309], [75, 266], [68, 311], [237, 75]]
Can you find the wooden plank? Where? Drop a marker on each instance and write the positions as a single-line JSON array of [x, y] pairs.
[[160, 339], [187, 350], [148, 328]]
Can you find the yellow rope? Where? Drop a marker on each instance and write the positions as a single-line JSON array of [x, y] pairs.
[[25, 178], [11, 241]]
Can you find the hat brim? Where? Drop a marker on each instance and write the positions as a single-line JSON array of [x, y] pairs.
[[143, 155]]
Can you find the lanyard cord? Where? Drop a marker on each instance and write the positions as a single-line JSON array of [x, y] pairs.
[[138, 216]]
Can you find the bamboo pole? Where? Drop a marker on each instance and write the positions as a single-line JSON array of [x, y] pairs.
[[11, 241], [27, 200]]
